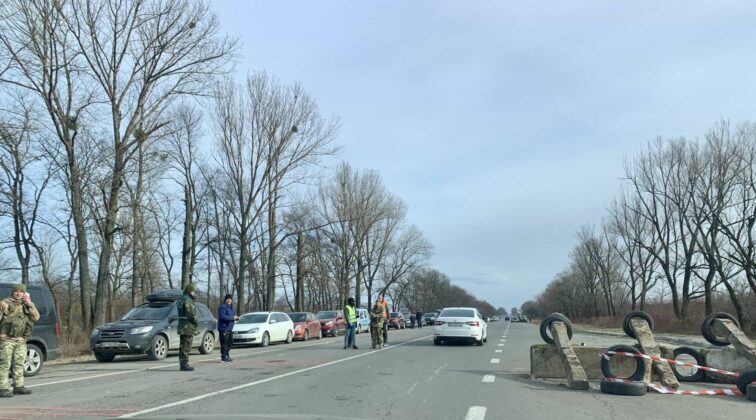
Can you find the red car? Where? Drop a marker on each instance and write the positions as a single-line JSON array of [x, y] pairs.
[[306, 326], [396, 320], [332, 322]]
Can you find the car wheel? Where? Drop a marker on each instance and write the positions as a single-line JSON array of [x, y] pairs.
[[208, 343], [104, 357], [289, 337], [479, 342], [335, 332], [307, 335], [436, 341], [158, 349], [34, 360], [265, 340], [320, 334]]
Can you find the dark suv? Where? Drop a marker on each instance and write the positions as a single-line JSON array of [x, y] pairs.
[[43, 343], [151, 328]]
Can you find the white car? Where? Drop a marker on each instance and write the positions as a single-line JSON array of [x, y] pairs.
[[460, 324], [263, 328]]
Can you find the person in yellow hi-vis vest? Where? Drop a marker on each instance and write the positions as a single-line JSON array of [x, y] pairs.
[[350, 313]]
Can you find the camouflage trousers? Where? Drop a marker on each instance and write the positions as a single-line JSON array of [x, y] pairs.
[[12, 359], [185, 348], [376, 332]]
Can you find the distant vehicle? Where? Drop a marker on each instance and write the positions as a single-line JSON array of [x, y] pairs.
[[42, 345], [524, 318], [495, 318], [263, 328], [363, 320], [429, 317], [332, 322], [460, 324], [486, 318], [515, 319], [306, 326], [396, 320], [151, 328]]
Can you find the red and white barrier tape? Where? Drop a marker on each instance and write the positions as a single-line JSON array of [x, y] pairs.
[[664, 390]]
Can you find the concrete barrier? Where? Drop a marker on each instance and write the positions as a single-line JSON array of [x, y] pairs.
[[546, 363]]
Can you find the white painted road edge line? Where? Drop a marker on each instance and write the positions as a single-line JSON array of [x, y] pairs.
[[495, 360], [476, 413], [262, 381], [163, 366], [489, 378]]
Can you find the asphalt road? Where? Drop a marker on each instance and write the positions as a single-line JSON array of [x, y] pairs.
[[410, 379]]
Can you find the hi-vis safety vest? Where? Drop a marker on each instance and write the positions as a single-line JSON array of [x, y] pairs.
[[351, 314]]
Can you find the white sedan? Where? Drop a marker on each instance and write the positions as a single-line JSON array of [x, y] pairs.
[[460, 324], [263, 328]]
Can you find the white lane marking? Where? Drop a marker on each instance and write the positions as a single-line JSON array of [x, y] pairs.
[[495, 360], [502, 340], [489, 378], [476, 413], [262, 381], [498, 351], [428, 379], [500, 345], [206, 359]]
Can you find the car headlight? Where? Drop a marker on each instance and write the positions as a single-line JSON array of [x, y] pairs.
[[297, 328], [95, 332], [141, 330], [253, 330]]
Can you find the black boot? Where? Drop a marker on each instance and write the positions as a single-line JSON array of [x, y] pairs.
[[22, 391], [6, 393], [186, 368]]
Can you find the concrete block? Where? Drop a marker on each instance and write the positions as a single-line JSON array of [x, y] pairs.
[[545, 362]]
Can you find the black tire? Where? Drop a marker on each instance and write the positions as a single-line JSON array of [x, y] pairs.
[[745, 379], [707, 329], [751, 392], [695, 377], [307, 335], [546, 324], [640, 363], [636, 314], [104, 357], [436, 341], [158, 348], [335, 332], [265, 339], [479, 342], [208, 343], [34, 360], [633, 388], [289, 337]]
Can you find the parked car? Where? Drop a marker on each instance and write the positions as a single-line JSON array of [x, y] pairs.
[[152, 328], [429, 317], [263, 328], [306, 325], [363, 320], [332, 322], [42, 345], [460, 324], [396, 320]]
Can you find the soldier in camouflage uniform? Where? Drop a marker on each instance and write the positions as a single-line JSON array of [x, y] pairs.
[[376, 325], [188, 326], [17, 317]]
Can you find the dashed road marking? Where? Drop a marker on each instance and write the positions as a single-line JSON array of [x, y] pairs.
[[501, 345], [489, 378], [498, 351], [495, 360], [476, 412]]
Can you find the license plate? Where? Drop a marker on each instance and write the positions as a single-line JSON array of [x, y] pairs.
[[455, 324], [108, 345]]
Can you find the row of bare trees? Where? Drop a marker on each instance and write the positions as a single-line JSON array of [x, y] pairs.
[[681, 230], [126, 144]]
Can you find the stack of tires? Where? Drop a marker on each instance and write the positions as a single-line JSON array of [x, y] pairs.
[[631, 384], [746, 382]]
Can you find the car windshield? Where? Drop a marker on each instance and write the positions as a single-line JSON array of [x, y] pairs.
[[327, 314], [466, 313], [148, 312], [394, 314], [298, 317], [253, 319]]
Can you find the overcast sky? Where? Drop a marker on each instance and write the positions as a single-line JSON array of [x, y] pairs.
[[504, 124]]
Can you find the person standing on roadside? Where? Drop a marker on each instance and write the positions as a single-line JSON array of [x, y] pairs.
[[226, 318], [350, 338], [17, 317], [419, 318], [382, 302], [188, 326], [376, 325]]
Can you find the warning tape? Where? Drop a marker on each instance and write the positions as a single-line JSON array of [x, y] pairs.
[[664, 390]]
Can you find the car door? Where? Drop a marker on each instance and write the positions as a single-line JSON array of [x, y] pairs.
[[310, 324], [172, 329], [275, 327]]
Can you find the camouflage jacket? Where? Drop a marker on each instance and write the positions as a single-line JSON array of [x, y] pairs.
[[377, 315], [16, 320], [187, 313]]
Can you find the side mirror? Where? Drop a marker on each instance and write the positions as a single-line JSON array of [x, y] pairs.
[[272, 321], [172, 318]]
